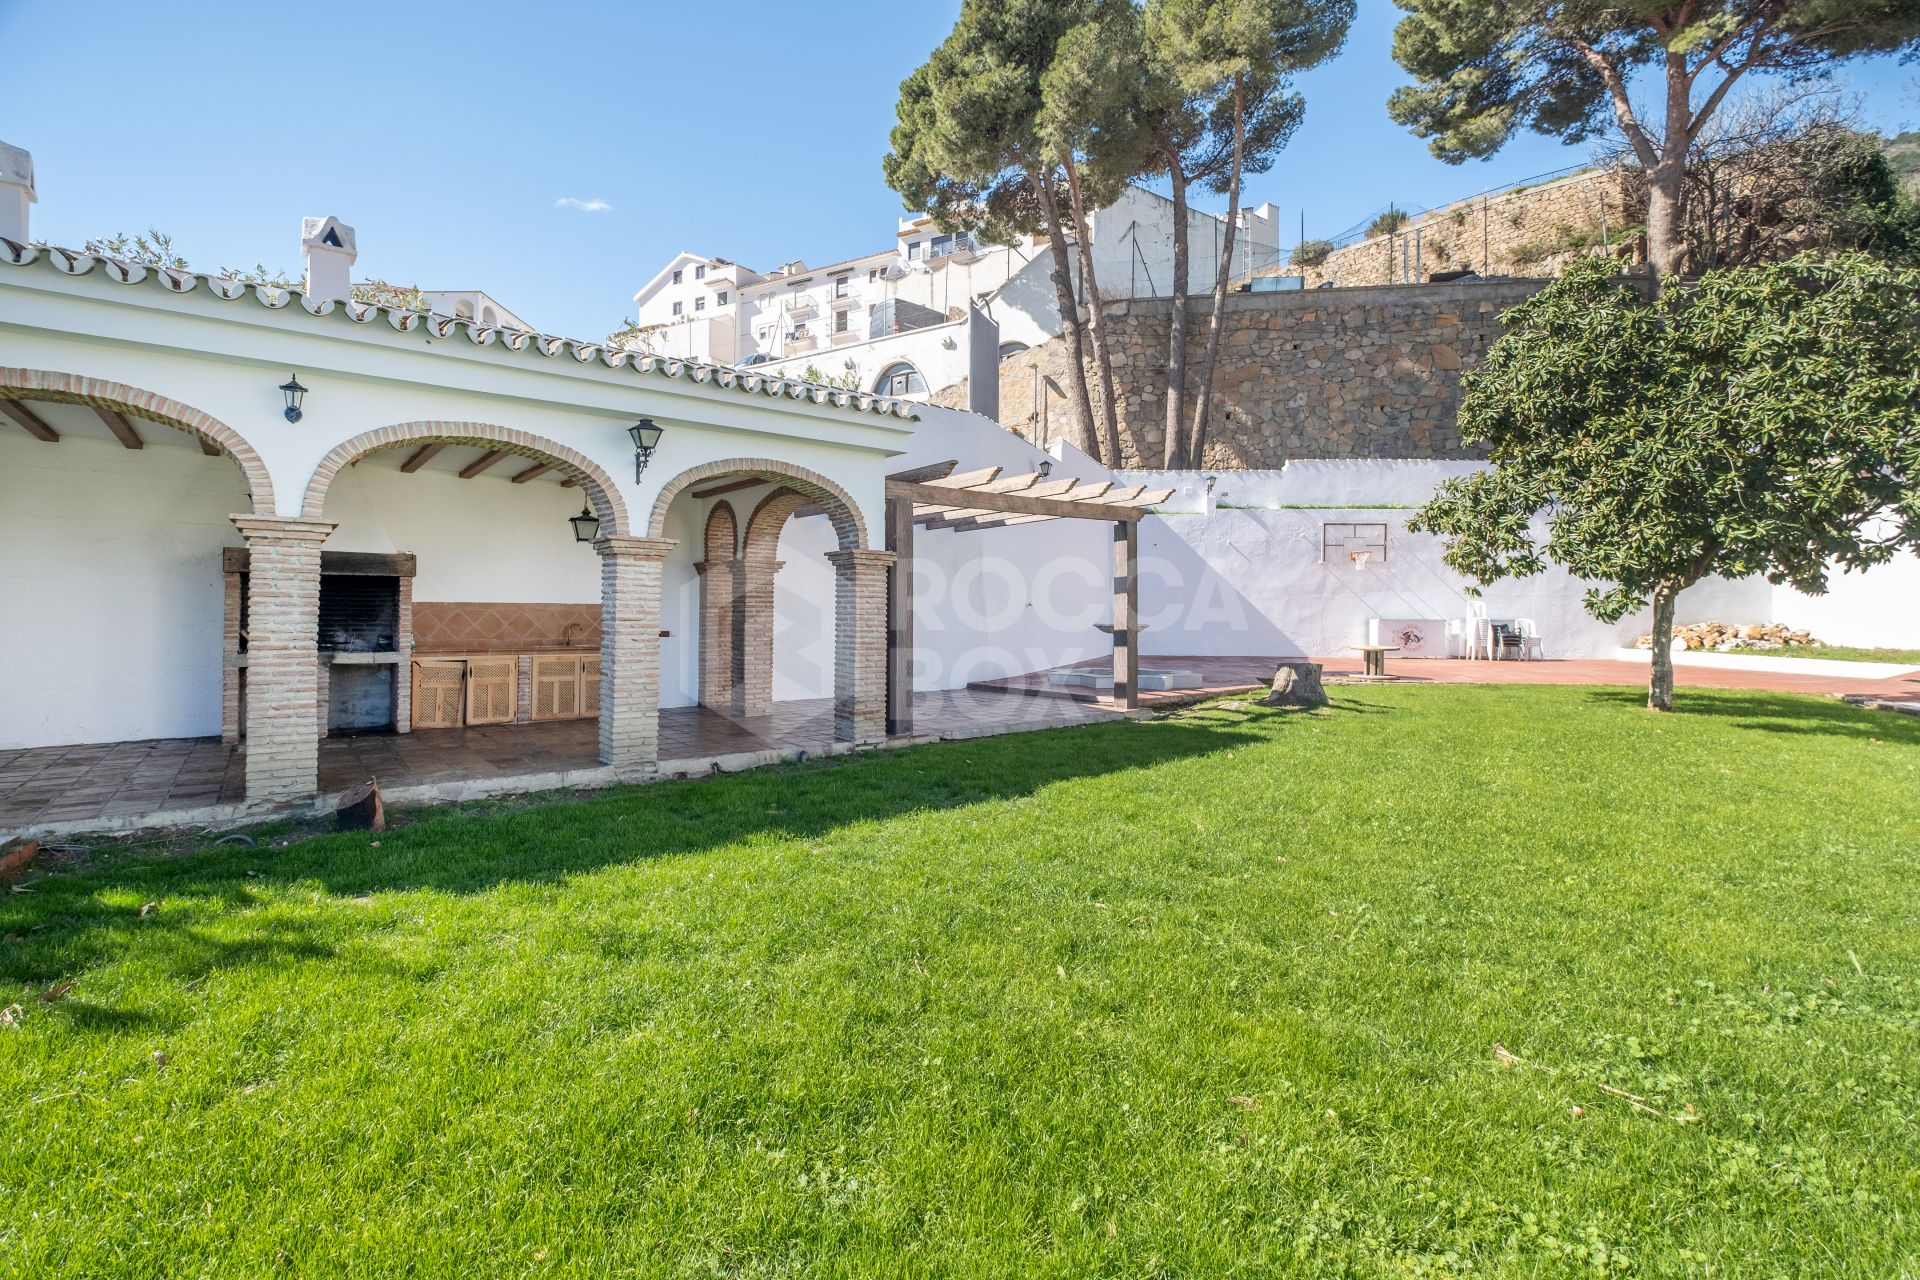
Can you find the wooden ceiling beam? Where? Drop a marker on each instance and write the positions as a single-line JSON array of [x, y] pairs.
[[481, 463], [29, 421], [732, 486], [422, 456], [208, 447], [122, 429], [534, 472], [571, 482]]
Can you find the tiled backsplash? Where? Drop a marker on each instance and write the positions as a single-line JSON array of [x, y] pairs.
[[441, 626]]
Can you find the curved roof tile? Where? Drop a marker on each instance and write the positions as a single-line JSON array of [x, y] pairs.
[[226, 289]]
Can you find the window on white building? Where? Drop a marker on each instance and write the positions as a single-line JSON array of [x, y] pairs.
[[699, 304], [700, 273], [873, 273], [900, 379], [842, 286], [840, 321], [722, 299], [913, 251], [676, 308], [676, 277]]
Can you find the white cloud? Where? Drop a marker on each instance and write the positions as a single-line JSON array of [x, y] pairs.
[[584, 206]]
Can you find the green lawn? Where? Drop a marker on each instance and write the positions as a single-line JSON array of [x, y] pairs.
[[1838, 653], [1215, 995]]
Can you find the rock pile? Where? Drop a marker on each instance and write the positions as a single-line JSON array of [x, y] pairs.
[[1726, 635]]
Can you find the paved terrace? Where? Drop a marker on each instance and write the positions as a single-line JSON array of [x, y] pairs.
[[188, 780]]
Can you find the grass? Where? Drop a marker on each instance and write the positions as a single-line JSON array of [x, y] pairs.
[[1835, 653], [1214, 995]]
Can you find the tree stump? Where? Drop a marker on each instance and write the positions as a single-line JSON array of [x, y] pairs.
[[360, 809], [1296, 684]]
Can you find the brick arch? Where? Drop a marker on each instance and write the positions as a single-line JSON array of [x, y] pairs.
[[841, 508], [764, 525], [594, 482], [71, 388], [722, 541]]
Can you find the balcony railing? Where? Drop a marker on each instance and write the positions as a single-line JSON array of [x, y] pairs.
[[797, 343]]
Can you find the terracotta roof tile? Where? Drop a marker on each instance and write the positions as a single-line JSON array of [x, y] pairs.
[[721, 377]]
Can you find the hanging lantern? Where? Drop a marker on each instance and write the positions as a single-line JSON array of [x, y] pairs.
[[586, 525]]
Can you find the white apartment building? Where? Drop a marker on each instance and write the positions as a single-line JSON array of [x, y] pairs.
[[916, 316]]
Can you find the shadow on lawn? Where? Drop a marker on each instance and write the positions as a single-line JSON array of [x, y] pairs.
[[1786, 713], [69, 923]]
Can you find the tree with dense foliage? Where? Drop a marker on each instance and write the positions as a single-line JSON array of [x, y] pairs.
[[968, 150], [1231, 61], [1091, 127], [1564, 68], [1762, 420]]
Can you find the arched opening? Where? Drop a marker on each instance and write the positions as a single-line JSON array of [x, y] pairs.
[[501, 653], [900, 379], [116, 508], [785, 646], [1011, 349]]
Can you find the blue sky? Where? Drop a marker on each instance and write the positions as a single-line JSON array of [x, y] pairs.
[[446, 133]]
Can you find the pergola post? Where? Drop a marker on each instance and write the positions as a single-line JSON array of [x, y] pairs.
[[900, 617], [1126, 613]]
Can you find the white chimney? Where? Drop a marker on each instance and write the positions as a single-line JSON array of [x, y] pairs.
[[16, 192], [329, 246]]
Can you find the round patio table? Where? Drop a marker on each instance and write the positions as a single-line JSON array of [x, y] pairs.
[[1374, 659]]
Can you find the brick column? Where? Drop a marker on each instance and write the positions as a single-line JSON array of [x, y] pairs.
[[753, 635], [630, 572], [403, 670], [720, 655], [860, 644], [284, 714]]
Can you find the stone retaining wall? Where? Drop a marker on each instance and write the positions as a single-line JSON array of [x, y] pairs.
[[1333, 373]]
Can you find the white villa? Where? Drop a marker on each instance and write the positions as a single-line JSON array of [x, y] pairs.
[[915, 316]]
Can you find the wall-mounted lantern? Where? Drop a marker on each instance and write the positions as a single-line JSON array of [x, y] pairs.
[[646, 435], [294, 393], [586, 525], [1046, 465]]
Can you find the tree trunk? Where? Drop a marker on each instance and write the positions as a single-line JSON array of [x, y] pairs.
[[1667, 178], [1175, 450], [1062, 277], [1096, 319], [1660, 687], [1197, 445]]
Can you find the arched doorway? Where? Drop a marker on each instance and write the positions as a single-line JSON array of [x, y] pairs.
[[512, 621], [740, 614], [117, 508]]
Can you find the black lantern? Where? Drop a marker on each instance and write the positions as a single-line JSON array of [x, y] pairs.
[[645, 435], [293, 391], [586, 525], [1046, 465]]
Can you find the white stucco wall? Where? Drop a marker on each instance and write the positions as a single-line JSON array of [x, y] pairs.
[[110, 586], [484, 539], [1879, 608]]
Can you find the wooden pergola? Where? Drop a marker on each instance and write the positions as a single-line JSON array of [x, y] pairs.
[[933, 497]]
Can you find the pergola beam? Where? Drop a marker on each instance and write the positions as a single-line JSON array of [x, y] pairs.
[[29, 421], [936, 500], [932, 471], [534, 472], [122, 430], [208, 447]]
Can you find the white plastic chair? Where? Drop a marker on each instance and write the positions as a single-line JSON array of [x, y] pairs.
[[1530, 646]]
